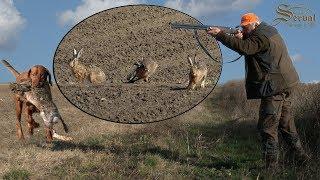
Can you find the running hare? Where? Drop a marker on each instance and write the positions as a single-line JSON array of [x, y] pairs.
[[81, 71], [143, 70], [197, 75]]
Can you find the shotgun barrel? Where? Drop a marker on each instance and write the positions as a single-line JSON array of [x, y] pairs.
[[228, 30]]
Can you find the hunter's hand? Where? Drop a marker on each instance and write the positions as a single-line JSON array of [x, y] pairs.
[[239, 34], [213, 31]]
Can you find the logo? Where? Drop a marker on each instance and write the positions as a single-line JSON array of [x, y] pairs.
[[295, 16]]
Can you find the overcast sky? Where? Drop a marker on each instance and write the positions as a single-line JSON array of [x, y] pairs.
[[30, 30]]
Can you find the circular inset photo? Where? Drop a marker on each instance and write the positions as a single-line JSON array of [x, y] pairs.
[[130, 65]]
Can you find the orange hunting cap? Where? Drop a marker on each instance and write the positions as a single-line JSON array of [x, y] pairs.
[[248, 18]]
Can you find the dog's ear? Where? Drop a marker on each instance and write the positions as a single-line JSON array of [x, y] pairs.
[[49, 77]]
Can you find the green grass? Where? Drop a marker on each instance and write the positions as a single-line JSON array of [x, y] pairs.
[[17, 174]]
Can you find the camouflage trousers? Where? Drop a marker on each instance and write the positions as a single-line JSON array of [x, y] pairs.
[[275, 117]]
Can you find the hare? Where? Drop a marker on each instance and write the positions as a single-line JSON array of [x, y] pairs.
[[41, 98], [197, 75], [81, 71], [143, 70]]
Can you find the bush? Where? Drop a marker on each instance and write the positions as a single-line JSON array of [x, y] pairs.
[[231, 98], [306, 110]]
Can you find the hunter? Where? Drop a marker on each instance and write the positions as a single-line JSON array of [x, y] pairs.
[[271, 77]]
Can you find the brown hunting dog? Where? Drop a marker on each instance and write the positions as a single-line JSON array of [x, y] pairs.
[[37, 75]]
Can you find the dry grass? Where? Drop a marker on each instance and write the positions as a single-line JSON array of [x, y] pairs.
[[100, 148], [231, 98], [33, 154], [306, 108], [206, 142]]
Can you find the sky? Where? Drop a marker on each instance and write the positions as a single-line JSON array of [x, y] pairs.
[[30, 30]]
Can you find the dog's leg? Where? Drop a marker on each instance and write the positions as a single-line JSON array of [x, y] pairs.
[[29, 120], [19, 105], [49, 133], [33, 110], [31, 123]]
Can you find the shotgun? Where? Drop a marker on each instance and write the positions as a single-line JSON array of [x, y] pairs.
[[228, 30]]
